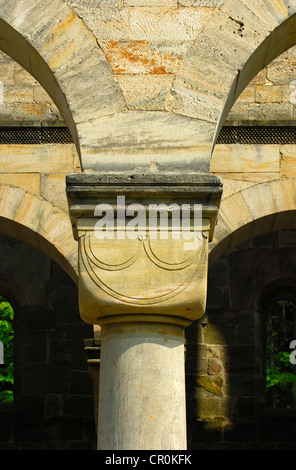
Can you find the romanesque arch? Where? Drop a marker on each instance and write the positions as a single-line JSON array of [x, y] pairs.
[[253, 211], [52, 43], [35, 221], [239, 40]]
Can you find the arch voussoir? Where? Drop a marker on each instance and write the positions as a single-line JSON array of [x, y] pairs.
[[34, 220], [266, 207]]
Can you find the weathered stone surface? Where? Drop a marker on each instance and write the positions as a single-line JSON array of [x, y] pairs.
[[145, 57], [238, 113], [271, 14], [37, 158], [259, 199], [150, 3], [248, 95], [288, 161], [196, 88], [28, 181], [235, 211], [201, 3], [165, 23], [17, 94], [268, 94], [213, 386], [176, 24], [94, 3], [147, 141], [260, 78], [283, 192], [53, 189], [106, 22], [146, 92], [245, 158], [270, 112], [282, 72]]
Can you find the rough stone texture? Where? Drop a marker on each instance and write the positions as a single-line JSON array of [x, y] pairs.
[[145, 92], [145, 47], [246, 159], [145, 57], [132, 37], [35, 221], [268, 97], [259, 203], [24, 99], [37, 158]]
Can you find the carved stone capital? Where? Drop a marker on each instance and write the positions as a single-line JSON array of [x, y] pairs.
[[148, 271]]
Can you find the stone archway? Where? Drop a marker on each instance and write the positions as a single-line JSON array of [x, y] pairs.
[[253, 211], [37, 222], [239, 40], [52, 43], [59, 50]]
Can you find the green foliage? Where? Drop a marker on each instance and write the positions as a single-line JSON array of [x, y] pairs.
[[7, 338], [280, 376]]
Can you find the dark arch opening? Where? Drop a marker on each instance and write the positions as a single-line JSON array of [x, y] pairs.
[[278, 306]]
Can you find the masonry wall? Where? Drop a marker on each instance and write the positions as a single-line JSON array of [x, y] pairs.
[[226, 391], [53, 406]]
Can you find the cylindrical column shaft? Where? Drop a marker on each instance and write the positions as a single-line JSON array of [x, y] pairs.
[[142, 387]]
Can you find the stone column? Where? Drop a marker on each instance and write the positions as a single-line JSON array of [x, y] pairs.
[[143, 280]]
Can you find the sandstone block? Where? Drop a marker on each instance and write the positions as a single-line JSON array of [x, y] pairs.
[[201, 3], [271, 112], [283, 192], [94, 3], [174, 24], [268, 94], [238, 112], [282, 72], [39, 94], [247, 96], [53, 189], [259, 200], [147, 92], [26, 181], [18, 94], [106, 22], [271, 14], [288, 161], [25, 111], [10, 200], [245, 158], [150, 3], [6, 72], [22, 77], [235, 211], [145, 57], [260, 78], [36, 158]]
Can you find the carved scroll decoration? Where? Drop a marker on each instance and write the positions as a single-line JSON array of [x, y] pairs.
[[163, 278]]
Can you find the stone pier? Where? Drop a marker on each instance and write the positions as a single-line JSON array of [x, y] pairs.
[[143, 283]]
